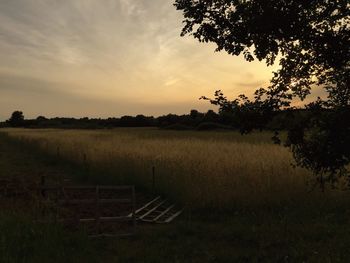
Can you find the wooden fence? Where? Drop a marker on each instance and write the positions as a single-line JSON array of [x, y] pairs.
[[102, 204], [100, 209]]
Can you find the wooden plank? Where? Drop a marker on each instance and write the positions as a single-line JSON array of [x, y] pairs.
[[76, 201], [114, 218], [171, 218], [101, 187], [116, 187], [87, 187], [81, 187], [120, 200], [93, 201], [46, 187], [107, 219], [147, 205], [112, 235], [87, 220], [150, 211], [163, 213]]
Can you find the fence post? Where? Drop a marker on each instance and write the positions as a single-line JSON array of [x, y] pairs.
[[97, 211], [153, 179], [42, 183], [85, 163], [133, 209], [43, 194]]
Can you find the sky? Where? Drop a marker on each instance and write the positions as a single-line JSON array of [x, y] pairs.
[[108, 58]]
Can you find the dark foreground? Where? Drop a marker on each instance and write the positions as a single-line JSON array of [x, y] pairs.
[[319, 234]]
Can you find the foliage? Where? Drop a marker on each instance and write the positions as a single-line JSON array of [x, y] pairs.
[[246, 114], [312, 41], [207, 126], [311, 37], [16, 119], [227, 119], [321, 143]]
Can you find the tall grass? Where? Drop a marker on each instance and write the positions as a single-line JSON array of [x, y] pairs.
[[200, 169]]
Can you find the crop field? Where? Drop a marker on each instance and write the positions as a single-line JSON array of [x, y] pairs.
[[248, 203], [224, 170]]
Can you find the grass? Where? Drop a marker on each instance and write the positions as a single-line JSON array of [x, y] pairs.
[[208, 169], [21, 240], [221, 170], [309, 232]]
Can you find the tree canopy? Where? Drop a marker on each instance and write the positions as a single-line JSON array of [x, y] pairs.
[[310, 38], [16, 119], [311, 42]]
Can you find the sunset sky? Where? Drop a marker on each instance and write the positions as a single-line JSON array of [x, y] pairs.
[[110, 58]]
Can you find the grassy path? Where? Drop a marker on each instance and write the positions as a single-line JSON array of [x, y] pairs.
[[266, 235]]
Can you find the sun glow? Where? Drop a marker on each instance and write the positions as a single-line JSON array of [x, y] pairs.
[[123, 57]]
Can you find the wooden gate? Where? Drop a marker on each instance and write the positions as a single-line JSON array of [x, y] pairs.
[[101, 210]]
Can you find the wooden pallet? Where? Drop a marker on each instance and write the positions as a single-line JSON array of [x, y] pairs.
[[158, 210]]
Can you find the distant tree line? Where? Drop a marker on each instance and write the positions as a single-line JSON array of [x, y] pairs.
[[229, 119]]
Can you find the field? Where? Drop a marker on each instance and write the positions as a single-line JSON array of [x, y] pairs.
[[248, 203], [199, 169], [222, 170]]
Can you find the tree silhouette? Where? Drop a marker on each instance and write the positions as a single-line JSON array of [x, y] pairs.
[[16, 119], [312, 40]]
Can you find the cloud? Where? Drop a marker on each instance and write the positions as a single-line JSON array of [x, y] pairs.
[[126, 51], [171, 81], [131, 7], [250, 84]]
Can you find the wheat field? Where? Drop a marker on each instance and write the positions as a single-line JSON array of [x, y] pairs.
[[200, 169]]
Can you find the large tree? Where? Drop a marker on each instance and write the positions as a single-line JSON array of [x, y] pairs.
[[310, 39], [16, 119]]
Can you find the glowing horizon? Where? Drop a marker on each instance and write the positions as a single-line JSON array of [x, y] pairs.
[[81, 58]]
